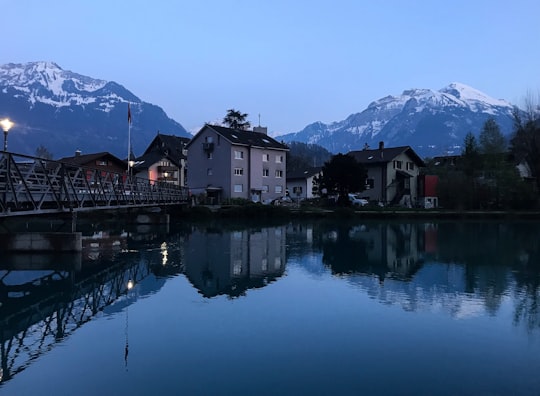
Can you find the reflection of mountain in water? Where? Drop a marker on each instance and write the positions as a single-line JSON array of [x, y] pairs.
[[457, 267], [234, 261]]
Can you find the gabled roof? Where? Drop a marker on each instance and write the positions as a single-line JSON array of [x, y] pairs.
[[172, 144], [84, 159], [385, 155], [244, 138], [146, 160], [304, 173]]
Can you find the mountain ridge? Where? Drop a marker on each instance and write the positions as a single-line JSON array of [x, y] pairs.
[[66, 111], [432, 122]]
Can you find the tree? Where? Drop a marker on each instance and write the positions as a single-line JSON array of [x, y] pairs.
[[470, 155], [302, 156], [492, 141], [43, 152], [236, 120], [342, 174], [525, 142]]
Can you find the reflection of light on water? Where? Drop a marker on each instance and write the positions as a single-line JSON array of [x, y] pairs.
[[164, 253]]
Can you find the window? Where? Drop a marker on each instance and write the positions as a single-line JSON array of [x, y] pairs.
[[265, 172], [397, 164], [410, 165], [265, 188], [209, 172], [266, 157], [238, 154], [102, 163], [238, 188], [279, 173], [370, 183], [277, 262], [237, 267], [278, 189], [279, 158], [297, 190], [209, 139], [238, 171], [209, 155]]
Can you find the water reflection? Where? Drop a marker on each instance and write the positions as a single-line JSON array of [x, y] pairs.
[[459, 269], [219, 262], [464, 268], [45, 298]]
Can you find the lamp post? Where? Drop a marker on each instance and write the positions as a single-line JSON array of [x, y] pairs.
[[6, 126], [131, 164]]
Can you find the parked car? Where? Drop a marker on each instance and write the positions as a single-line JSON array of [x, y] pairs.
[[357, 201], [282, 201]]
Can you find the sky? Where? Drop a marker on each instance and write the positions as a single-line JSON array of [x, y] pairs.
[[286, 63]]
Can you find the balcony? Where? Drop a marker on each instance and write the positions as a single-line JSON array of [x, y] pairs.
[[208, 146]]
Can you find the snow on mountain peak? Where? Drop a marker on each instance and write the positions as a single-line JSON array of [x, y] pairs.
[[47, 82], [469, 94]]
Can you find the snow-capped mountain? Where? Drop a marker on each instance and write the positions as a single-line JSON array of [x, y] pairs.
[[432, 122], [66, 111]]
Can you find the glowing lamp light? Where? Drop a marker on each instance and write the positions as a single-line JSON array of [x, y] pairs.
[[6, 124]]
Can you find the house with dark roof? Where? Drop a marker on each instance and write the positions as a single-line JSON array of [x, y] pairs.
[[300, 183], [165, 159], [103, 160], [392, 174], [228, 163]]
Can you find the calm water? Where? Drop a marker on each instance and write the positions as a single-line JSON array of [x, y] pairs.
[[303, 308]]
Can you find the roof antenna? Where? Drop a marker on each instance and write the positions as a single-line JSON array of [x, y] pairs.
[[259, 119]]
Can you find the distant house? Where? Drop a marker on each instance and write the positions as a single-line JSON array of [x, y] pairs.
[[392, 174], [300, 183], [228, 163], [104, 161], [164, 160]]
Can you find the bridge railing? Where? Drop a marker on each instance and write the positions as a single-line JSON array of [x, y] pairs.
[[31, 184]]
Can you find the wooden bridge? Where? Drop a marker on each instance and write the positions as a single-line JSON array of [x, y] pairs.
[[30, 185]]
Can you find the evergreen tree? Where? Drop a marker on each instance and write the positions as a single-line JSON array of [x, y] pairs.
[[492, 141], [470, 156]]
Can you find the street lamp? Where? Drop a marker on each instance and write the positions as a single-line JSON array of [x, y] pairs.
[[6, 126]]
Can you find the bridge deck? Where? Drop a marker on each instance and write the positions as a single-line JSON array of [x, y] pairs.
[[30, 185]]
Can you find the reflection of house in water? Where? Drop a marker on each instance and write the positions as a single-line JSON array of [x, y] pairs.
[[232, 262], [393, 249]]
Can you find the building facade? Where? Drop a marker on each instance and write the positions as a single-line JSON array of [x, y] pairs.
[[392, 174], [300, 183], [227, 163], [164, 160]]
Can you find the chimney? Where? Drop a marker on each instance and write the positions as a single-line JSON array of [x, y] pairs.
[[261, 129], [381, 145], [77, 153]]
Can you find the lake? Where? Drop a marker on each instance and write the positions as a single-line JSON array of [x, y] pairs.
[[306, 307]]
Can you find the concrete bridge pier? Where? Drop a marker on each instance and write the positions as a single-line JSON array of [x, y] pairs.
[[41, 242]]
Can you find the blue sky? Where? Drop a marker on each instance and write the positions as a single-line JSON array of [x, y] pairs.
[[292, 62]]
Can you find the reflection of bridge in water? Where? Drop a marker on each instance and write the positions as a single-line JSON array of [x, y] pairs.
[[40, 306], [30, 185]]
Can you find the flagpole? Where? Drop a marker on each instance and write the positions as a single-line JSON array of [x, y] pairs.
[[129, 137]]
